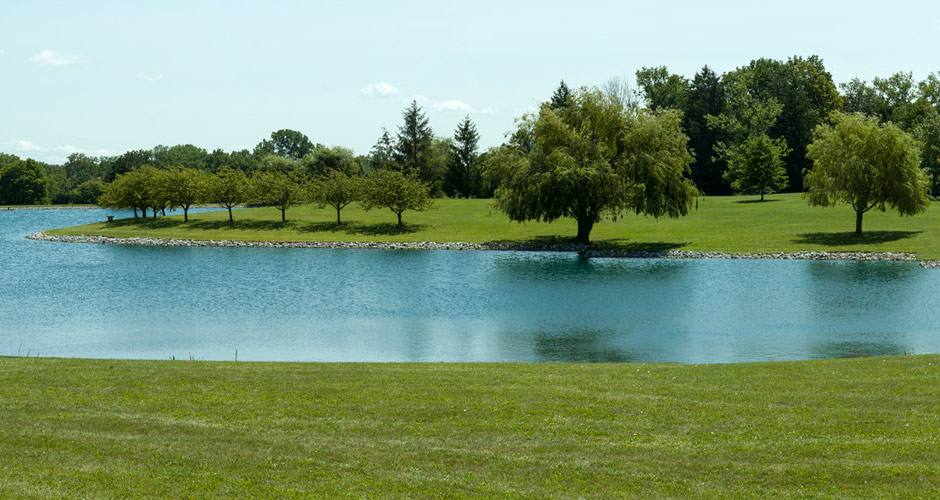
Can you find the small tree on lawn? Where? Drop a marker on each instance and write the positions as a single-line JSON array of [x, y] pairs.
[[229, 188], [397, 192], [186, 187], [278, 190], [757, 165], [337, 190], [866, 165]]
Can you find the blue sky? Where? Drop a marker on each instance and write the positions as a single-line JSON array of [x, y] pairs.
[[103, 77]]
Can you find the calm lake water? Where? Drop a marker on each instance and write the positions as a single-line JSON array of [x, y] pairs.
[[105, 301]]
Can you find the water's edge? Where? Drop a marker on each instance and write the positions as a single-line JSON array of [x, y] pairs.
[[581, 249]]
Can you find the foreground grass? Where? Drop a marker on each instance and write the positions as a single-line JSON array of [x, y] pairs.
[[859, 428], [784, 223]]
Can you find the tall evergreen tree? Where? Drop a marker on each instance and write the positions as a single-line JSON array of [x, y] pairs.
[[382, 156], [462, 177], [562, 96], [706, 97], [414, 142]]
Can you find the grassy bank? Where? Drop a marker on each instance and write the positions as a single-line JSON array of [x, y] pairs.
[[859, 428], [784, 223]]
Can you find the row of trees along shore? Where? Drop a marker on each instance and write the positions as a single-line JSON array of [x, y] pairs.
[[589, 153], [150, 188]]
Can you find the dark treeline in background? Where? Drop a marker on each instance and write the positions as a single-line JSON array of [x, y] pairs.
[[768, 108], [447, 165]]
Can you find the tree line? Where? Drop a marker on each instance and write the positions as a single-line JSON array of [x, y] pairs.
[[588, 153], [155, 190], [448, 165]]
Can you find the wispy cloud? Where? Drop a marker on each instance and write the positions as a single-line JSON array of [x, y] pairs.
[[381, 89], [24, 145], [149, 78], [2, 53], [53, 58], [489, 110], [452, 105]]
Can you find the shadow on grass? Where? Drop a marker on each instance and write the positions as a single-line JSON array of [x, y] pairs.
[[866, 238], [610, 244], [755, 201], [377, 229]]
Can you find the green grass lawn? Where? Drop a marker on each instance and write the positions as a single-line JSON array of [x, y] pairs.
[[854, 428], [783, 223]]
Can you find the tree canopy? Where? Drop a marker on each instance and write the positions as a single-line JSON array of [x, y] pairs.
[[397, 192], [867, 165], [593, 158], [23, 182]]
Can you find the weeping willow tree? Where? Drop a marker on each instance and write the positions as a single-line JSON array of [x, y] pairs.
[[866, 165], [590, 159]]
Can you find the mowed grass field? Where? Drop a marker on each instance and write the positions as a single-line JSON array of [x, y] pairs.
[[853, 428], [783, 223]]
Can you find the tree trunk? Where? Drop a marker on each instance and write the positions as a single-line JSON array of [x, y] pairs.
[[283, 215], [338, 222], [761, 196], [584, 230], [399, 219], [858, 221], [230, 219], [135, 212], [185, 214]]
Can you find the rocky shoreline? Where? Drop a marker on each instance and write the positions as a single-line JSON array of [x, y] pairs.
[[523, 247]]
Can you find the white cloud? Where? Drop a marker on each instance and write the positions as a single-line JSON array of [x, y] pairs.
[[489, 110], [53, 58], [2, 53], [27, 146], [149, 78], [381, 89], [452, 105]]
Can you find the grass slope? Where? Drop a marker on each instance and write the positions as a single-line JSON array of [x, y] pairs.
[[784, 223], [856, 428]]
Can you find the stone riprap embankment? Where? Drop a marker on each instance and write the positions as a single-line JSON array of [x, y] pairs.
[[524, 247]]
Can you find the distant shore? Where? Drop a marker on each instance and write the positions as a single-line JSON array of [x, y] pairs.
[[583, 250]]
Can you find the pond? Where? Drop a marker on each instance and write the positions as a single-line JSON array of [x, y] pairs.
[[108, 301]]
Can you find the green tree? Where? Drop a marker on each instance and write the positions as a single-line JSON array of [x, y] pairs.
[[128, 190], [337, 190], [590, 159], [23, 182], [754, 159], [127, 162], [185, 187], [229, 188], [285, 143], [662, 89], [382, 156], [278, 190], [706, 97], [287, 166], [757, 165], [866, 165], [928, 133], [806, 95], [323, 160], [413, 145], [397, 192], [181, 155], [462, 179], [86, 192], [561, 97]]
